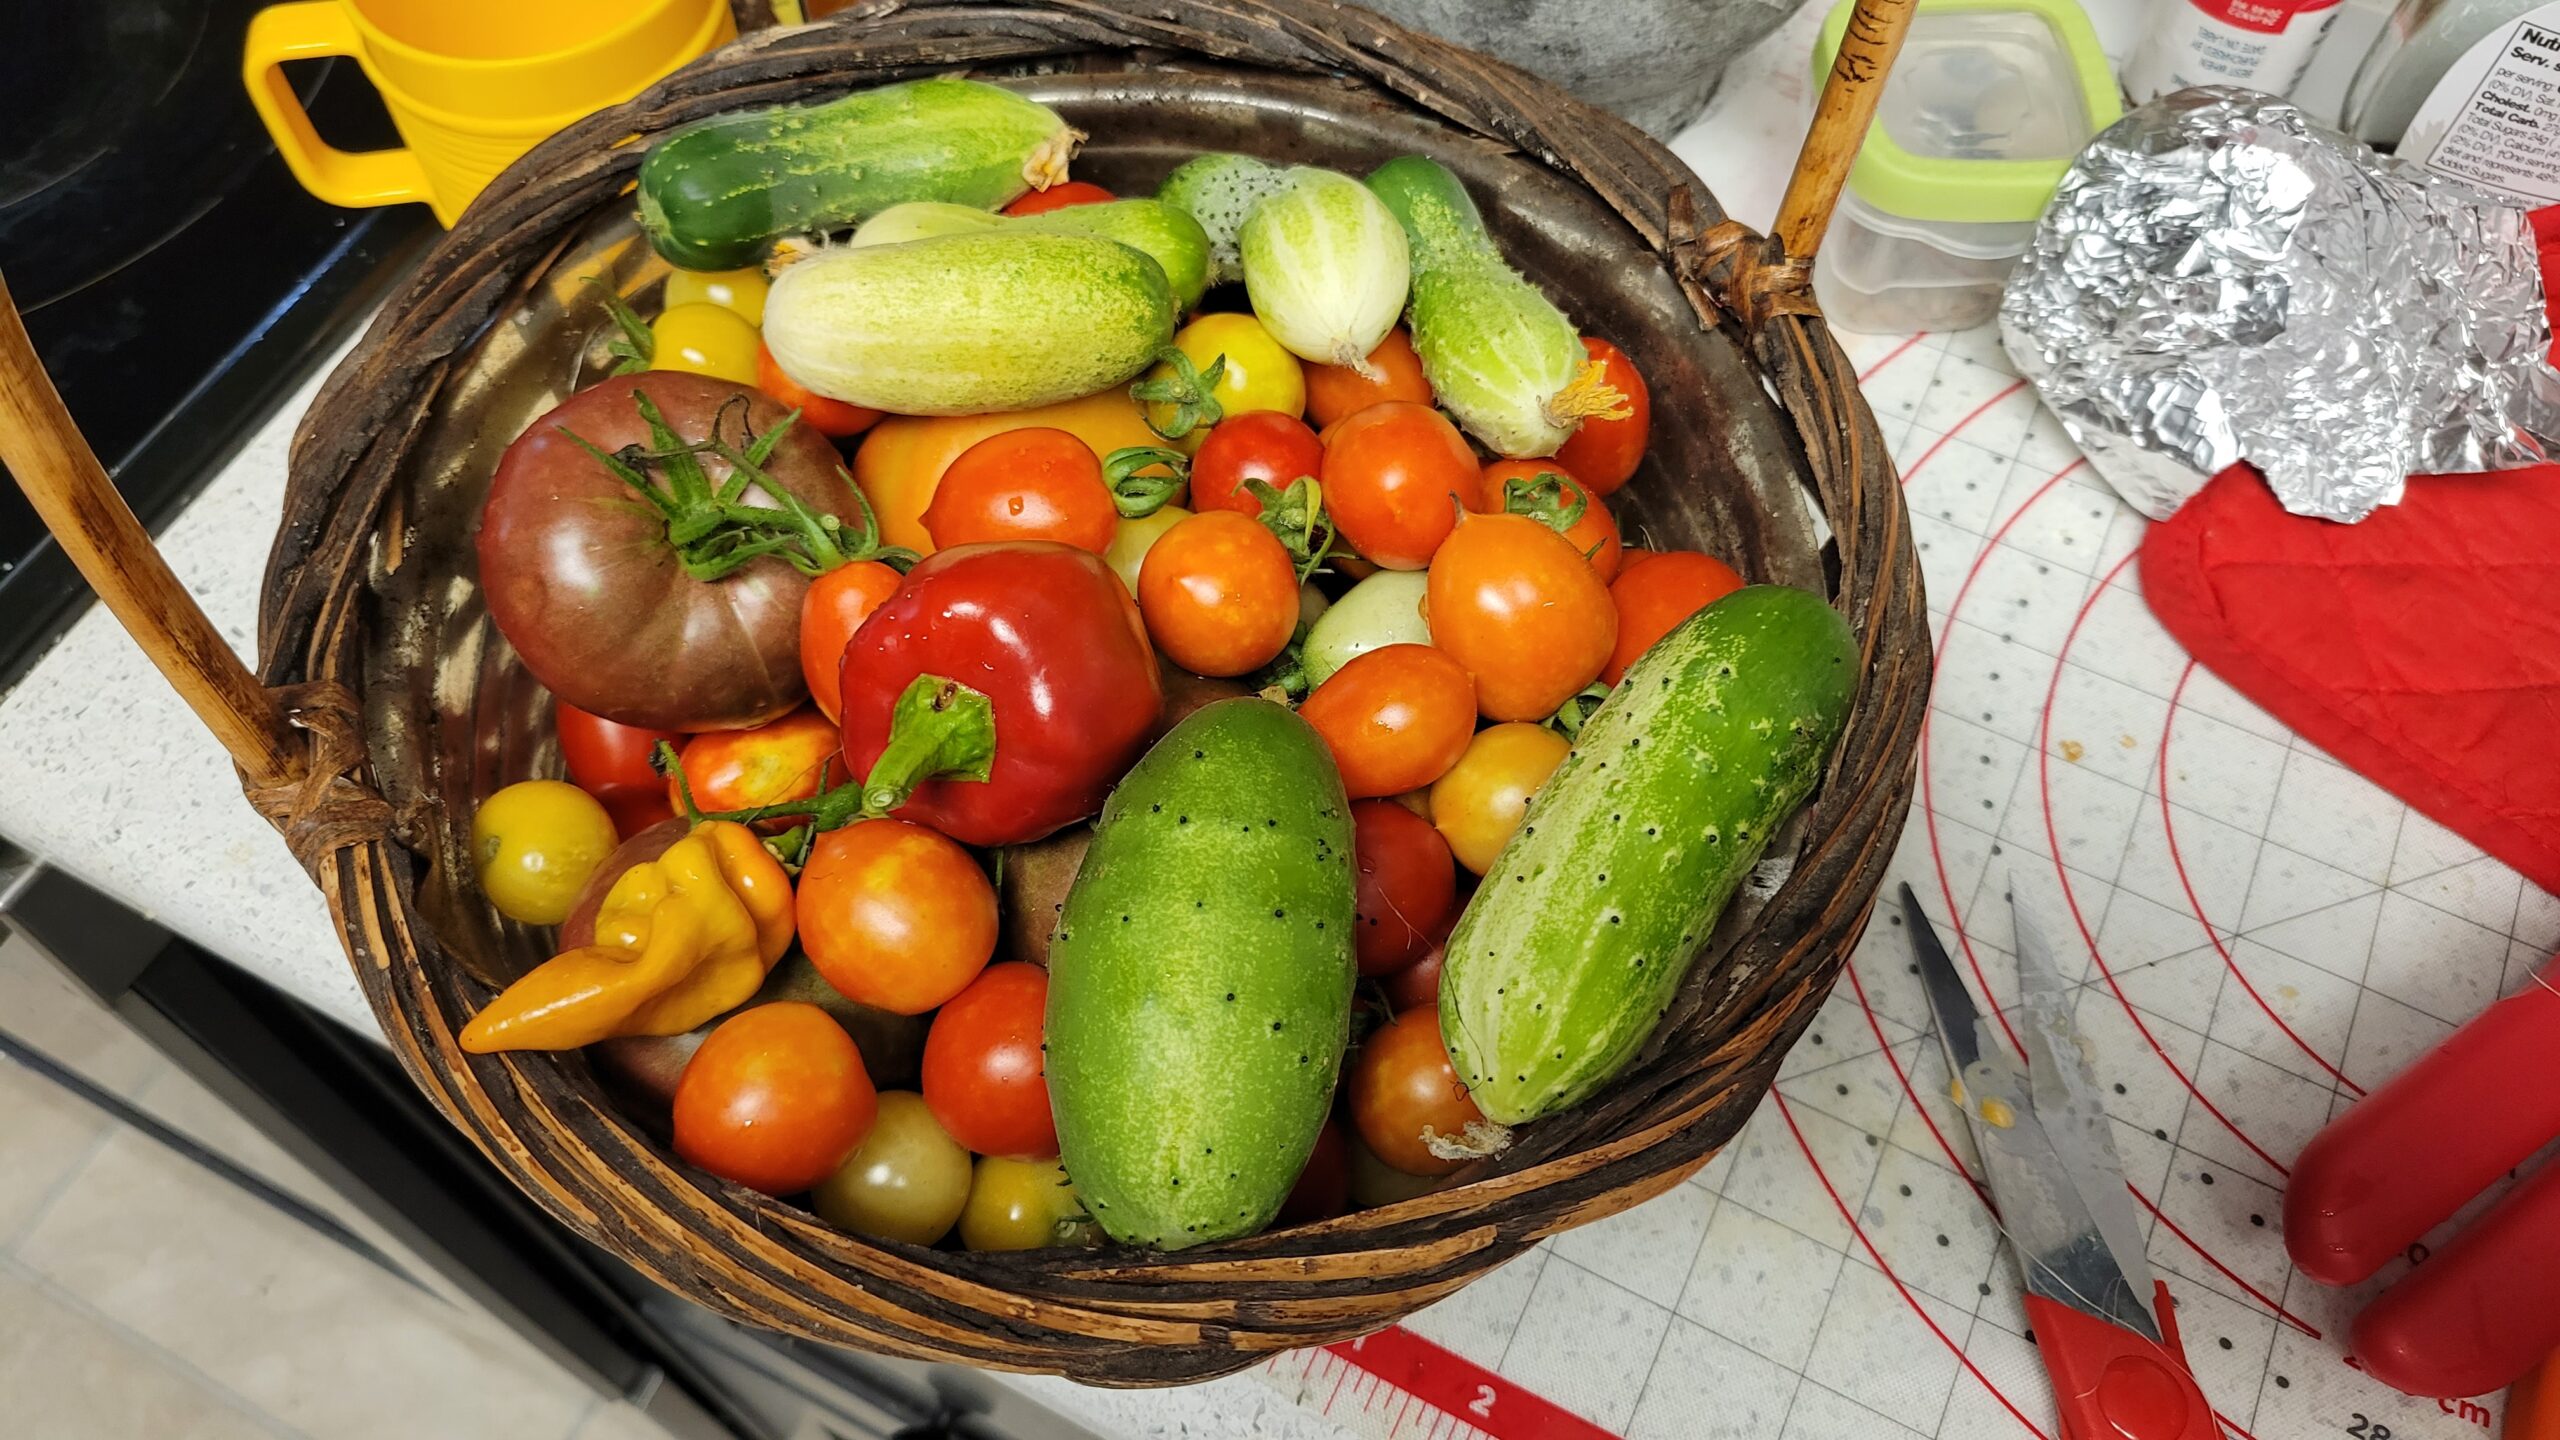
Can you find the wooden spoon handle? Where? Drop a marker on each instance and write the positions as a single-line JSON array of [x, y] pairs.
[[43, 449], [1840, 120]]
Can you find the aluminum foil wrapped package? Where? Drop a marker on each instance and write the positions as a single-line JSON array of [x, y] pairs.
[[2219, 279]]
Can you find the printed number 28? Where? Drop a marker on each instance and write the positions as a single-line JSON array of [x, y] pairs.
[[1482, 1405], [2368, 1429]]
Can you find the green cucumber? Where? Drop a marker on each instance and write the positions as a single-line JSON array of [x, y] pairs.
[[714, 194], [1220, 192], [1498, 353], [1570, 952], [1200, 979], [1168, 236], [965, 324]]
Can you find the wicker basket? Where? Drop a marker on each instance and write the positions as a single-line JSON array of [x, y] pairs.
[[1764, 453]]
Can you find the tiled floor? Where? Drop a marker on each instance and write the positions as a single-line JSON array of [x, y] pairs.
[[142, 1296]]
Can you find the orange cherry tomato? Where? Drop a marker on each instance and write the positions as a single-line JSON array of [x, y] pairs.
[[1396, 718], [1262, 445], [895, 915], [1595, 533], [983, 1073], [1220, 594], [1402, 1087], [831, 609], [1395, 475], [1480, 802], [776, 1099], [615, 763], [1516, 604], [1604, 453], [1653, 598], [1337, 392], [1408, 884], [1059, 197], [833, 418], [1035, 484], [792, 758]]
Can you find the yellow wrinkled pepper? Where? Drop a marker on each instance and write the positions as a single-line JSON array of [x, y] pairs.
[[679, 940]]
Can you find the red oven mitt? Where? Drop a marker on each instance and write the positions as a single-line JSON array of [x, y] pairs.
[[2420, 647]]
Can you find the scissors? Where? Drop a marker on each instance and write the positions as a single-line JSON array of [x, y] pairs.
[[2105, 1326]]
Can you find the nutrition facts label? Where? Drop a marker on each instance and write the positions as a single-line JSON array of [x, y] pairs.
[[2494, 120]]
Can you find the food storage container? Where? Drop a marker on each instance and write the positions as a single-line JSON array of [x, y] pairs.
[[1983, 113]]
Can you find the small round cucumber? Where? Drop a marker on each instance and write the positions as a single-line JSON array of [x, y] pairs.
[[1573, 947], [1200, 979], [965, 324], [1220, 191]]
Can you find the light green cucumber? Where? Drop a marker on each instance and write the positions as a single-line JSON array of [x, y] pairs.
[[1385, 609], [1200, 979], [965, 324], [1582, 931], [1168, 236], [1498, 353], [1327, 266], [716, 193], [1220, 191]]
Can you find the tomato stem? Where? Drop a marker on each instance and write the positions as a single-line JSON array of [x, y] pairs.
[[1190, 390], [636, 348], [1143, 478], [1294, 513], [1550, 499]]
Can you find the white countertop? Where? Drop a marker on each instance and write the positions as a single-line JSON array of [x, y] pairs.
[[105, 774]]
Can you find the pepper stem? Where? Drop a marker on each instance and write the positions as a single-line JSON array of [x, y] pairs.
[[941, 730]]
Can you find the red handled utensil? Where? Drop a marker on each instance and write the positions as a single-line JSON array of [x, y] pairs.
[[2485, 1308], [2106, 1328]]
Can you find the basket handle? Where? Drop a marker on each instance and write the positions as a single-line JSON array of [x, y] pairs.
[[1840, 121], [43, 448]]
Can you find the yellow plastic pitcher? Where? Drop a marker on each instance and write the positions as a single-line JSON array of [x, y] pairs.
[[471, 84]]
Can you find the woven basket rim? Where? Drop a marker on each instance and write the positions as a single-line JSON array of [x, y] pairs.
[[1116, 1316]]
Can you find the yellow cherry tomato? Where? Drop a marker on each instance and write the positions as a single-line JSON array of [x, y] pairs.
[[536, 843], [1479, 802], [738, 290], [1260, 375], [706, 339], [907, 1182], [1022, 1205], [1134, 538]]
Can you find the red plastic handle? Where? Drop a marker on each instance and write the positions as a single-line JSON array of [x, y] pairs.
[[2112, 1384], [2411, 1153], [2483, 1311]]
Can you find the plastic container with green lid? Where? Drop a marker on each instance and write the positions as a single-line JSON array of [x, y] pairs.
[[1982, 114]]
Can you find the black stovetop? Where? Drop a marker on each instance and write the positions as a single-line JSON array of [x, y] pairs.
[[177, 281]]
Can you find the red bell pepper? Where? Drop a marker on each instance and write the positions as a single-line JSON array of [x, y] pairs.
[[1037, 641]]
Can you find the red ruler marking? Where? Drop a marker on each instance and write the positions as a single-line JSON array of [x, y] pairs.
[[1411, 1370]]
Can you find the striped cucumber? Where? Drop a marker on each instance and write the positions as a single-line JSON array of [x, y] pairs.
[[1590, 918], [1164, 234], [1220, 191], [1499, 354], [1200, 979], [714, 194], [965, 324], [1327, 267]]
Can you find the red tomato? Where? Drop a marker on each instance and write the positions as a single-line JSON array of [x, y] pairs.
[[776, 1099], [835, 419], [1653, 598], [1260, 445], [1402, 1085], [1595, 534], [1604, 453], [983, 1073], [612, 762], [792, 758], [1516, 604], [1408, 884], [835, 606], [1395, 475], [1059, 197], [1417, 986], [1032, 484], [1324, 1187], [1337, 392], [1220, 594], [894, 915], [1396, 718]]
